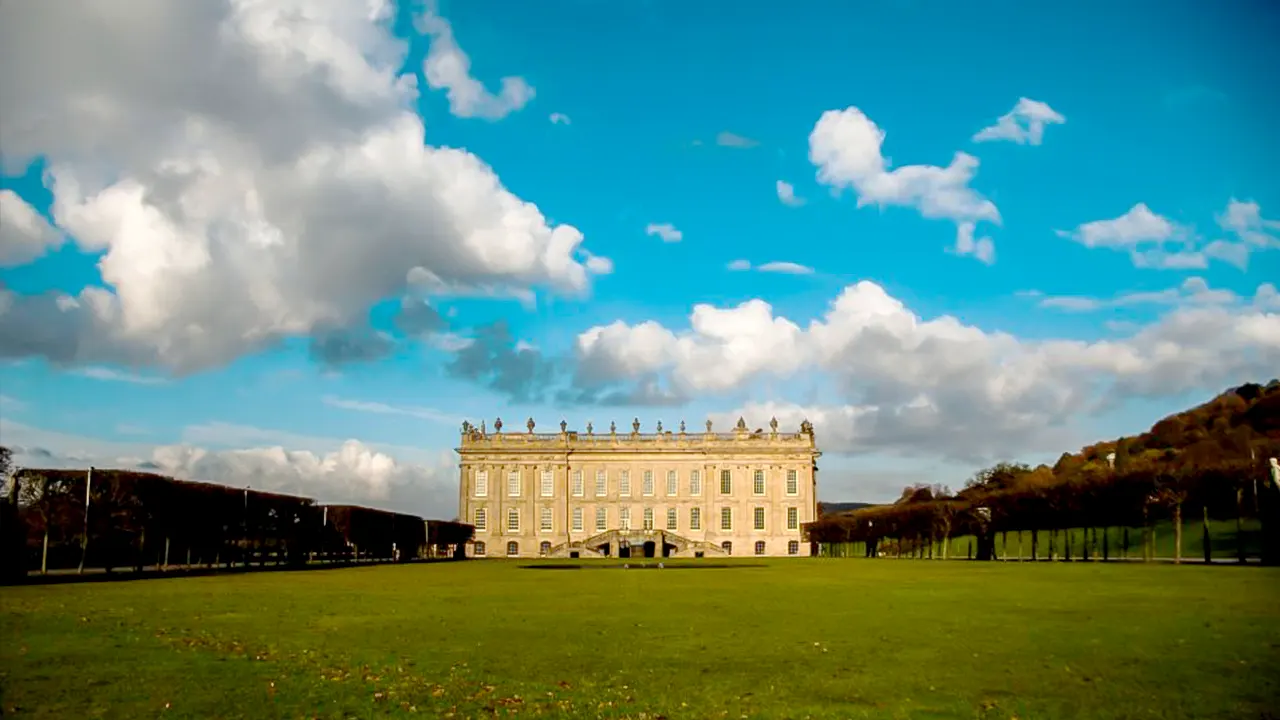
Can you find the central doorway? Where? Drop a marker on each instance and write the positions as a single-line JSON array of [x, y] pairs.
[[650, 549]]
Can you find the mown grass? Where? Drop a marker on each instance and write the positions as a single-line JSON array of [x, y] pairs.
[[774, 639]]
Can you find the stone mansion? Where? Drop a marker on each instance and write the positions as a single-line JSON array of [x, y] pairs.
[[631, 494]]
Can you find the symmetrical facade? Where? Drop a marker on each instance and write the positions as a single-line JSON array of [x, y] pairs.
[[619, 494]]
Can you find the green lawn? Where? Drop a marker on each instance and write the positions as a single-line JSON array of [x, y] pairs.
[[786, 638]]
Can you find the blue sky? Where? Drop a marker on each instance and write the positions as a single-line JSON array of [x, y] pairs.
[[250, 217]]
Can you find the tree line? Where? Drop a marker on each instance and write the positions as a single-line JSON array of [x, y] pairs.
[[1212, 461], [115, 520]]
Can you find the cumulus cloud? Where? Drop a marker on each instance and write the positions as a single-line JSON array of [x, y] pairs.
[[1154, 241], [24, 234], [966, 244], [446, 67], [666, 231], [847, 148], [787, 195], [226, 186], [1024, 124], [937, 386], [329, 470], [1138, 226]]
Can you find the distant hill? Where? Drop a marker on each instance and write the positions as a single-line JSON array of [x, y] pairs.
[[1210, 457]]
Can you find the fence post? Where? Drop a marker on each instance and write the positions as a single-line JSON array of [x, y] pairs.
[[1208, 553]]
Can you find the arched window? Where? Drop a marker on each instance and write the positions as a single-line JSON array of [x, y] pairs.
[[544, 547], [513, 548], [759, 547], [480, 549], [727, 547]]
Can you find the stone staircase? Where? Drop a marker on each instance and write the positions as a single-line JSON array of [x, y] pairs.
[[588, 547]]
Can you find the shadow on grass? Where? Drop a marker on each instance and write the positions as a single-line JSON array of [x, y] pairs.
[[153, 573], [640, 566]]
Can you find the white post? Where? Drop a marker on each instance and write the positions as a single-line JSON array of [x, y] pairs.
[[84, 544]]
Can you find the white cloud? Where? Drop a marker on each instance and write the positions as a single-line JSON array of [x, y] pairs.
[[846, 147], [733, 140], [448, 68], [1136, 227], [560, 119], [1024, 124], [1192, 291], [330, 471], [786, 268], [1249, 230], [111, 375], [224, 185], [24, 234], [1154, 241], [778, 266], [666, 231], [938, 386], [598, 265], [413, 411], [787, 194], [981, 248]]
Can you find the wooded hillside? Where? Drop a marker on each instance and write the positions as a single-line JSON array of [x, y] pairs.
[[1213, 457]]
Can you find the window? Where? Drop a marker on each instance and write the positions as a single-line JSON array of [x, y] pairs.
[[673, 482], [602, 519], [757, 516], [482, 520], [576, 487], [544, 547], [726, 518], [648, 518], [624, 483], [648, 482], [513, 520], [482, 484], [695, 518], [793, 518], [793, 482], [793, 547], [548, 483], [602, 483], [757, 482], [513, 548], [672, 520], [695, 482], [544, 523], [727, 547], [480, 549], [513, 483], [624, 518], [759, 547], [577, 520], [726, 482]]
